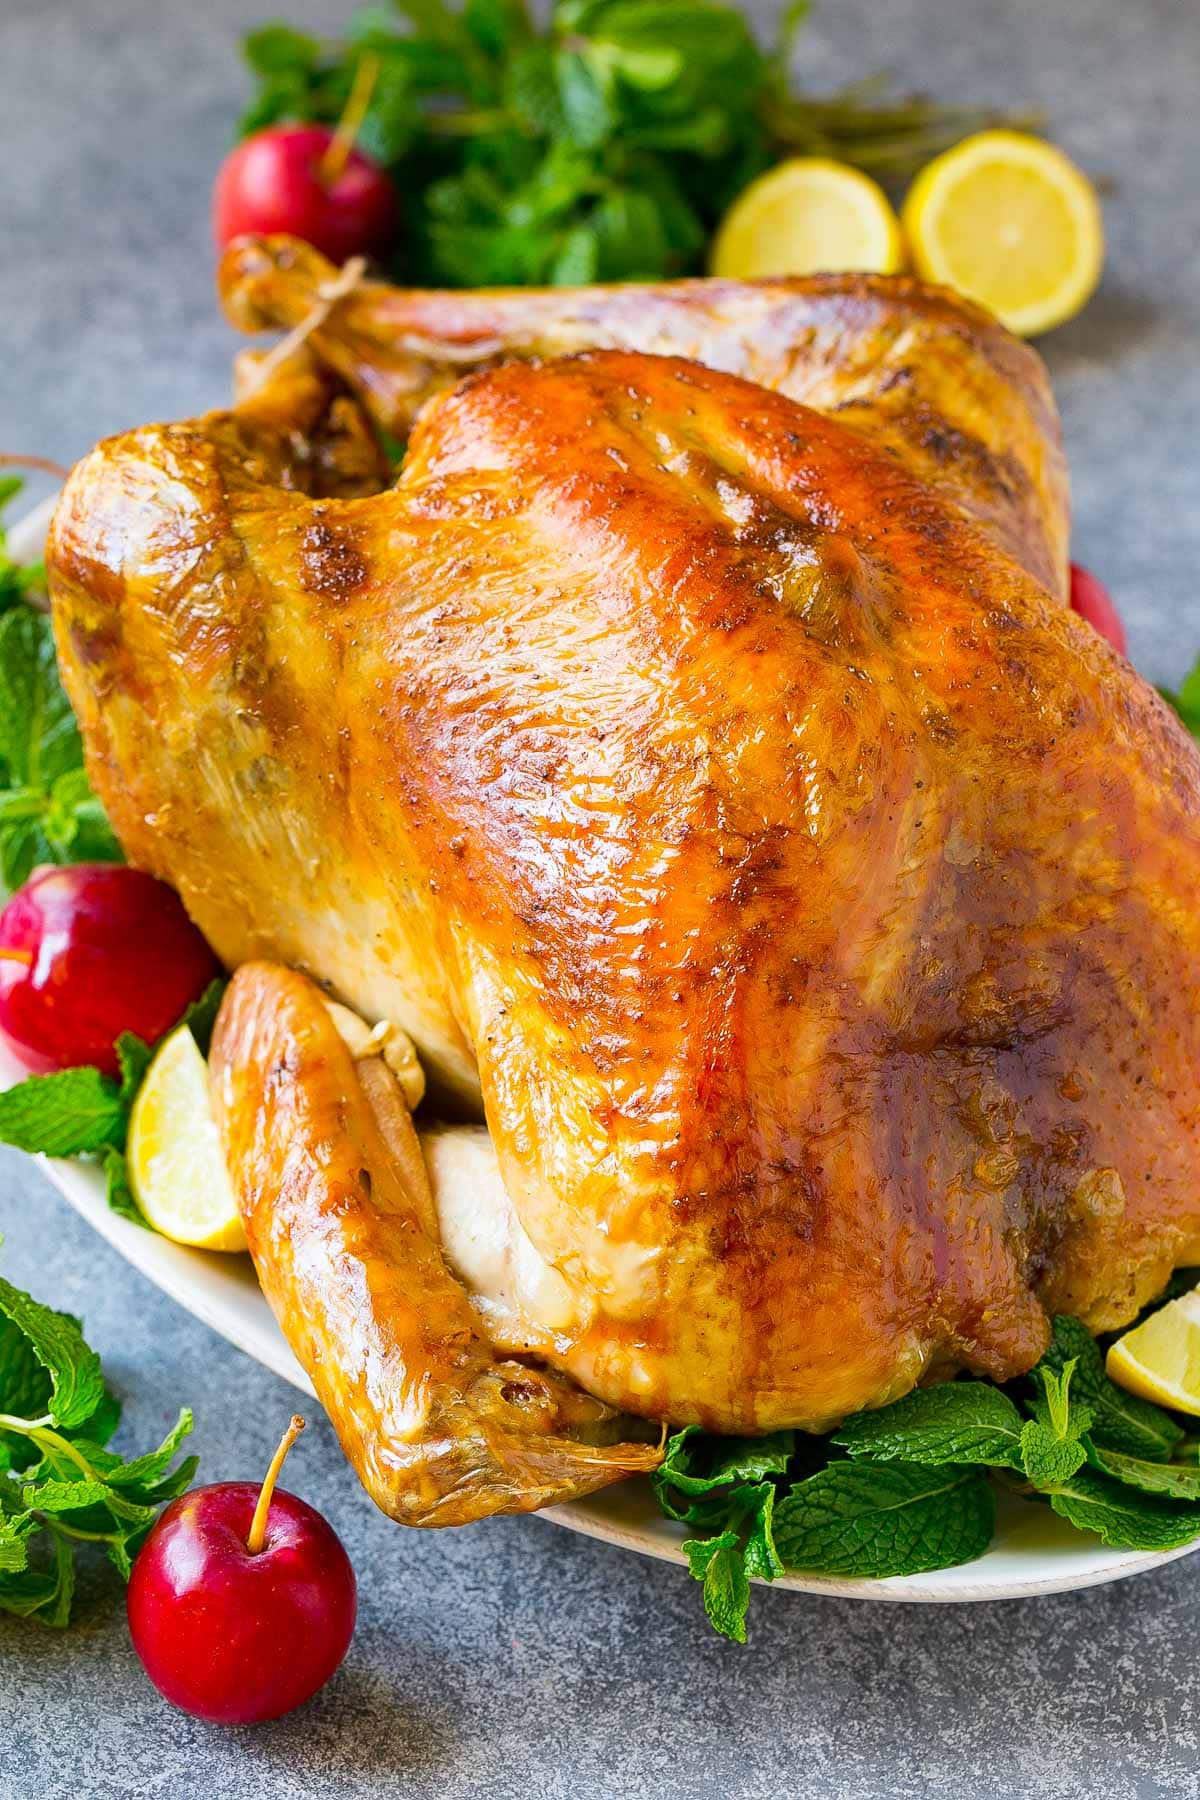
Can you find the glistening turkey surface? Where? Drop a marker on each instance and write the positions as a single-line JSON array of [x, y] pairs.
[[794, 869]]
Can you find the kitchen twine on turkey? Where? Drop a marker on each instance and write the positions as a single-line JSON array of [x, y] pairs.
[[39, 601], [328, 295]]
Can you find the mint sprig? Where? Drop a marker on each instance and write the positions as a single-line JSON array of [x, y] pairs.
[[61, 1487], [600, 144], [1052, 1442], [1120, 1420], [911, 1487]]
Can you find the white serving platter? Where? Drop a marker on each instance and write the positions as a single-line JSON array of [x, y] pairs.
[[1033, 1551]]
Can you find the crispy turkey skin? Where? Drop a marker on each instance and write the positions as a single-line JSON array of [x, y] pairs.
[[718, 786]]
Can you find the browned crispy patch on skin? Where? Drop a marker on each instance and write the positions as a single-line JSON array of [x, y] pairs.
[[816, 895], [919, 369], [331, 565]]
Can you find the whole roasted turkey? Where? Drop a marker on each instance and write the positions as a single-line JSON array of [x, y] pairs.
[[693, 752]]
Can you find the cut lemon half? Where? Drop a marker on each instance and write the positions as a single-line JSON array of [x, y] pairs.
[[1160, 1359], [1009, 221], [805, 216], [176, 1168]]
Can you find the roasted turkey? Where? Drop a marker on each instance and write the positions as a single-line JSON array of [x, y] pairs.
[[693, 752]]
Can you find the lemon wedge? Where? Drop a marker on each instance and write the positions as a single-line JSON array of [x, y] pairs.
[[1009, 221], [176, 1168], [807, 215], [1160, 1359]]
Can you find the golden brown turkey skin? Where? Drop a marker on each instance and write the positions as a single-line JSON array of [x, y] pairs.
[[341, 1225], [930, 377], [817, 896]]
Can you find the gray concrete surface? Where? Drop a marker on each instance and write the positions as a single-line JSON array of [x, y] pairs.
[[513, 1659]]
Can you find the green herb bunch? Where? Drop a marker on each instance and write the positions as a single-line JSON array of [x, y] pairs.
[[61, 1487], [912, 1487], [48, 813], [604, 147]]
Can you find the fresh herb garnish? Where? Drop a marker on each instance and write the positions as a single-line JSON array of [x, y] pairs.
[[906, 1489], [60, 1486], [603, 147], [82, 1112], [854, 1518], [48, 813]]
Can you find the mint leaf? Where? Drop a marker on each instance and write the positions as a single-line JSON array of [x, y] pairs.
[[134, 1057], [201, 1016], [273, 49], [53, 1496], [1120, 1420], [76, 1385], [881, 1519], [1051, 1447], [48, 812], [24, 1382], [65, 1114], [1181, 1481], [761, 1555], [15, 1533], [957, 1422], [696, 1463], [42, 1594], [39, 740], [718, 1562], [146, 1473], [118, 1192], [1048, 1458], [1124, 1517]]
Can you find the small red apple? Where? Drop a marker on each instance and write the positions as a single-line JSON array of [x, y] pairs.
[[89, 952], [242, 1600], [296, 178]]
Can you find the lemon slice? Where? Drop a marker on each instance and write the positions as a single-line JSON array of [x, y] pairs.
[[176, 1168], [805, 216], [1009, 221], [1160, 1359]]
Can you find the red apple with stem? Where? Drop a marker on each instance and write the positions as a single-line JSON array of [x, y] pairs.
[[312, 183], [242, 1600]]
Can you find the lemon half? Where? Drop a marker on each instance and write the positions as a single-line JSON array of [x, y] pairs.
[[1160, 1359], [805, 216], [1009, 221], [173, 1153]]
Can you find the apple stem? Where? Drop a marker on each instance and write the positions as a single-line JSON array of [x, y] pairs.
[[258, 1525], [350, 124]]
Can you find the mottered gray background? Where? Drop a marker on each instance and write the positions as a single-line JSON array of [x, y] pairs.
[[515, 1659]]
